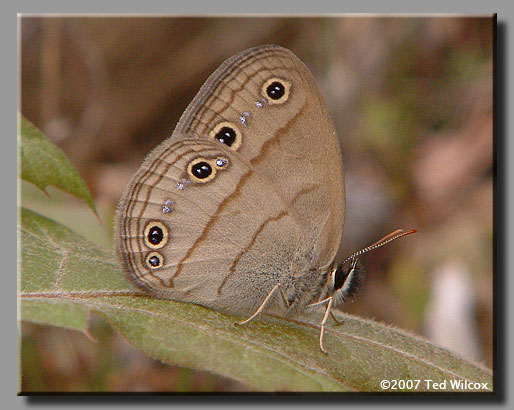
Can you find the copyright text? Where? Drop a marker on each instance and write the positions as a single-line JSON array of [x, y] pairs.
[[428, 384]]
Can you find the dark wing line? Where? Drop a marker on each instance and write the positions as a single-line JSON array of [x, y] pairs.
[[236, 191], [196, 117], [225, 70], [257, 233], [248, 247], [207, 228], [134, 190]]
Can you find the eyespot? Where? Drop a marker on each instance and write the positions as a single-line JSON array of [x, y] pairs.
[[201, 170], [276, 90], [228, 134], [204, 169], [154, 260], [155, 235]]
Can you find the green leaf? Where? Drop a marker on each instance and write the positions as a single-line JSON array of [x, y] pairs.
[[56, 262], [43, 164], [64, 278]]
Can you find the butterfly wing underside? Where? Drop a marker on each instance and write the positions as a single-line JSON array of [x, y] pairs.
[[271, 204]]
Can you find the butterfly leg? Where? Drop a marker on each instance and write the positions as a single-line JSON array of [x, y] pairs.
[[323, 323], [265, 302], [338, 322]]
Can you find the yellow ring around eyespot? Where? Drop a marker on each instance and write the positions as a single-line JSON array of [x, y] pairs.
[[212, 163], [239, 137], [164, 229], [197, 161], [152, 254], [281, 100]]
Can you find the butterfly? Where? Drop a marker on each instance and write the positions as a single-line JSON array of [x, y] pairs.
[[242, 208]]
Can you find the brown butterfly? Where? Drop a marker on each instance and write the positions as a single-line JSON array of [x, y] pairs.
[[242, 209]]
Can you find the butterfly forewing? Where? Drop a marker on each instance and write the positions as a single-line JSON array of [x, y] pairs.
[[293, 144]]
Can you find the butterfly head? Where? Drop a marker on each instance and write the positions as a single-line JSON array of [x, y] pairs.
[[345, 280]]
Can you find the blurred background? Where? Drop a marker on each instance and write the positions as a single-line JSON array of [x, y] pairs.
[[412, 100]]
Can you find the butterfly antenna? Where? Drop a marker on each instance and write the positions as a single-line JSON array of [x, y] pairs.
[[399, 233]]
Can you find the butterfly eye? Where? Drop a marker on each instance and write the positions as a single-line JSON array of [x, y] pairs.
[[347, 280], [155, 235], [228, 134], [339, 276], [154, 260], [276, 90]]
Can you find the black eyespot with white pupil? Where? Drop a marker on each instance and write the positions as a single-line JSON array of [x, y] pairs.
[[226, 135], [275, 90], [155, 235], [154, 261], [201, 170]]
